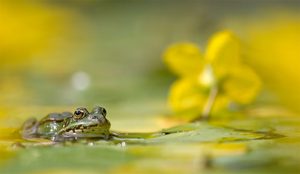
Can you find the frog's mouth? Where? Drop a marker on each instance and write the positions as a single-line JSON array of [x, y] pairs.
[[80, 127], [82, 130]]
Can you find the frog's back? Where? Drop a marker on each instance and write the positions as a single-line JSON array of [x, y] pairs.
[[56, 117], [52, 123]]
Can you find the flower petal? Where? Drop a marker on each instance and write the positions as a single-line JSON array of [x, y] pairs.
[[184, 59], [242, 85], [223, 53], [186, 96]]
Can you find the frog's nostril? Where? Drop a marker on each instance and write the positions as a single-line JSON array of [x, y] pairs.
[[104, 112]]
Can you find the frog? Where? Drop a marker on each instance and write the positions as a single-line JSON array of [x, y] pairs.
[[67, 125]]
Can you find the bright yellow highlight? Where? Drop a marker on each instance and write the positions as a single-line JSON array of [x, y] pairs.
[[210, 82]]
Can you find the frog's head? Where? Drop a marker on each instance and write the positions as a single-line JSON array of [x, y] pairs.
[[87, 124]]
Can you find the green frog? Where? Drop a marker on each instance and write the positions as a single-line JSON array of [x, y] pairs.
[[64, 126]]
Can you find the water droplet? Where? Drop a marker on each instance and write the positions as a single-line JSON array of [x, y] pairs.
[[122, 144]]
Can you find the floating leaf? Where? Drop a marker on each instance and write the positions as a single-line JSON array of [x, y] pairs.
[[204, 132]]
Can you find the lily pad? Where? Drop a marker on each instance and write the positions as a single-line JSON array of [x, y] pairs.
[[190, 147]]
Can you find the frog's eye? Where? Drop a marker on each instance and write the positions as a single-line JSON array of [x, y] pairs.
[[79, 113]]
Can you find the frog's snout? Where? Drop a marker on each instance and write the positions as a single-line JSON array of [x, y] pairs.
[[100, 110], [98, 118]]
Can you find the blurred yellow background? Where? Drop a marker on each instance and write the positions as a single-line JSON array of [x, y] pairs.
[[70, 53], [273, 49]]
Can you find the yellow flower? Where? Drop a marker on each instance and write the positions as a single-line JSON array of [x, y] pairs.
[[210, 82]]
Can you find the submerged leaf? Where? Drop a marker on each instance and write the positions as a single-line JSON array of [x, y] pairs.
[[90, 159]]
